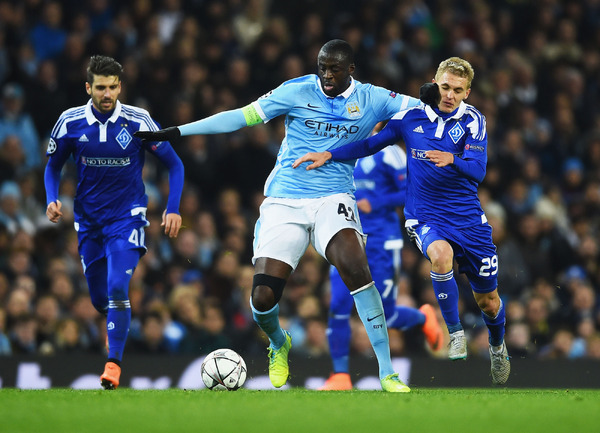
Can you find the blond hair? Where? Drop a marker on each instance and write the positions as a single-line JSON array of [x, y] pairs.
[[456, 66]]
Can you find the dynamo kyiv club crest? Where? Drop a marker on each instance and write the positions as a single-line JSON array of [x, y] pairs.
[[456, 133], [124, 138]]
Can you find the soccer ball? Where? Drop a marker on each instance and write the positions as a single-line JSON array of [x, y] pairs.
[[223, 370]]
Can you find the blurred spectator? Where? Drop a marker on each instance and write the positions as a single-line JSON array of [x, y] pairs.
[[518, 340], [5, 348], [23, 335], [593, 347], [208, 240], [152, 339], [45, 91], [11, 215], [87, 317], [537, 317], [48, 36], [47, 314], [12, 158], [561, 346], [68, 336], [14, 120]]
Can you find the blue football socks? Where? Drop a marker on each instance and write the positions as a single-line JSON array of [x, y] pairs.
[[338, 335], [496, 325], [120, 269], [370, 310], [117, 325], [405, 318], [268, 321], [446, 291]]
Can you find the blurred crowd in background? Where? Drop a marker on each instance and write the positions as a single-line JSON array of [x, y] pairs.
[[537, 81]]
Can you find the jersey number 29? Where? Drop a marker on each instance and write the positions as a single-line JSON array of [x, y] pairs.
[[489, 267]]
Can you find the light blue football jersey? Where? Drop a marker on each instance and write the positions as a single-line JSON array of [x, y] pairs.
[[315, 122]]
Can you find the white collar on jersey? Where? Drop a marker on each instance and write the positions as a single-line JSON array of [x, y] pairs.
[[433, 115], [345, 94], [91, 119]]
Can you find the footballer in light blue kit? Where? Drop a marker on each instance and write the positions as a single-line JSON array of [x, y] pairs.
[[110, 202], [322, 111], [380, 181], [446, 144]]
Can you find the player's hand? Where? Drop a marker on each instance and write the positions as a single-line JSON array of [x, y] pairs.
[[172, 223], [439, 158], [168, 134], [364, 205], [430, 94], [317, 158], [53, 211]]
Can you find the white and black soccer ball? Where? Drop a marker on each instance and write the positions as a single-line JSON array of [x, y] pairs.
[[223, 370]]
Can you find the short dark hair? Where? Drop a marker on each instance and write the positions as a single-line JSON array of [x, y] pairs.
[[103, 65], [339, 46]]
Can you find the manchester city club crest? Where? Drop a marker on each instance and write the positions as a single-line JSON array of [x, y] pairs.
[[353, 110]]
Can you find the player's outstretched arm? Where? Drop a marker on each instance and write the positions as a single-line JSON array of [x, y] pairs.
[[53, 211], [220, 123], [172, 223], [168, 134], [317, 158]]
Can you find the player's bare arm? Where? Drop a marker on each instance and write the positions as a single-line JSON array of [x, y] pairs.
[[53, 211], [439, 158], [317, 158], [172, 223]]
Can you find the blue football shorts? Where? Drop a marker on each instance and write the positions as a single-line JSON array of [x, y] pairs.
[[473, 247], [98, 243]]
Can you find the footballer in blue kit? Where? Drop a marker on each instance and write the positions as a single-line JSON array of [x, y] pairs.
[[322, 111], [380, 181], [110, 201], [446, 144]]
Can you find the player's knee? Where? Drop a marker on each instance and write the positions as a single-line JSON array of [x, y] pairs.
[[118, 287], [355, 276], [100, 304], [441, 255], [266, 291], [489, 305]]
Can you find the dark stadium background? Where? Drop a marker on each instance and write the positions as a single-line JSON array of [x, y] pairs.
[[537, 81]]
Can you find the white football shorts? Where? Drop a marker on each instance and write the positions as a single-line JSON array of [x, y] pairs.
[[286, 226]]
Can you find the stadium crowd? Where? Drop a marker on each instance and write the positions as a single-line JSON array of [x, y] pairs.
[[537, 81]]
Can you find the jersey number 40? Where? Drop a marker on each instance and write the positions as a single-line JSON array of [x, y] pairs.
[[137, 237]]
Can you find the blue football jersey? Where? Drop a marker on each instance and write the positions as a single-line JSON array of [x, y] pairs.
[[109, 161], [445, 195], [315, 122], [381, 179]]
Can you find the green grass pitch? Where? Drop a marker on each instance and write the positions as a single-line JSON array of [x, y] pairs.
[[460, 410]]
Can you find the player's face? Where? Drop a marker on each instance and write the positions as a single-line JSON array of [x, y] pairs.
[[453, 89], [334, 72], [104, 92]]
